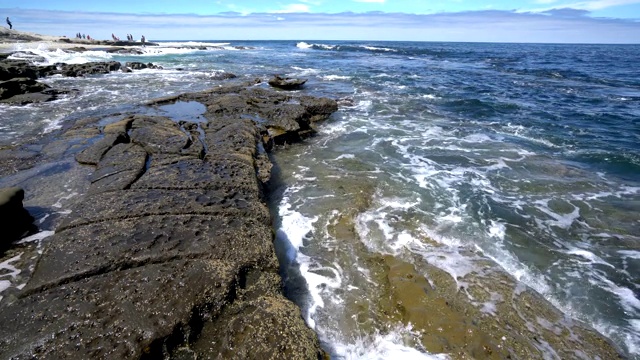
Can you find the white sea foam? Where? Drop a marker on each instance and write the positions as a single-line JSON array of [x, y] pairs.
[[294, 228], [523, 133], [391, 345], [374, 48], [12, 270], [335, 77], [8, 271], [496, 229], [37, 237], [300, 71], [563, 221], [589, 256], [377, 231], [44, 56], [304, 45], [476, 138], [632, 254], [61, 199], [345, 156], [431, 97]]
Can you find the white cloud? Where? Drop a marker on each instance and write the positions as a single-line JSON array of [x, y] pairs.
[[601, 4], [584, 5], [292, 8]]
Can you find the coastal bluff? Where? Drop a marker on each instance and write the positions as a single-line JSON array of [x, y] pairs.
[[170, 252]]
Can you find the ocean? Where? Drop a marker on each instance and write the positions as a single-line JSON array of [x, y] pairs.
[[455, 179]]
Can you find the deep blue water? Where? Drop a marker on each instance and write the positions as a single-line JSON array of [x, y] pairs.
[[524, 154]]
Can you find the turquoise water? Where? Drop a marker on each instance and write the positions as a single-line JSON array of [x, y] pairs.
[[524, 154]]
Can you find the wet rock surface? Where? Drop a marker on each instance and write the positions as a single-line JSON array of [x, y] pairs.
[[136, 65], [18, 85], [170, 252]]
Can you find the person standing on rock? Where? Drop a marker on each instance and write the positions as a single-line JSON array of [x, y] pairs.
[[9, 23], [142, 40]]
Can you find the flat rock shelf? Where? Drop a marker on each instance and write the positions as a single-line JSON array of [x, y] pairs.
[[170, 252]]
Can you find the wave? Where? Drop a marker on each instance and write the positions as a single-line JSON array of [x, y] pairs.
[[345, 47], [43, 55]]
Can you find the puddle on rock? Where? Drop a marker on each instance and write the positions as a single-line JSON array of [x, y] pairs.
[[191, 111]]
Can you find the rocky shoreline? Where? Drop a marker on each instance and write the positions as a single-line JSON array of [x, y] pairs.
[[170, 253], [168, 250]]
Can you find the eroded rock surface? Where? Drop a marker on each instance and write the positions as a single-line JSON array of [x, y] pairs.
[[170, 254]]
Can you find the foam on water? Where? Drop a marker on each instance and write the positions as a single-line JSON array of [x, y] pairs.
[[304, 45], [300, 71], [44, 56], [522, 132], [335, 77], [391, 345], [37, 237], [292, 232], [373, 48], [8, 272]]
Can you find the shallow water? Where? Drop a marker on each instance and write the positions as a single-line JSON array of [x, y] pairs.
[[456, 165]]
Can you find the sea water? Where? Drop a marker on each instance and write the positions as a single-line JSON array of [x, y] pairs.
[[525, 157]]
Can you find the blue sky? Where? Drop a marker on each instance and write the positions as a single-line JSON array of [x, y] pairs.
[[590, 21]]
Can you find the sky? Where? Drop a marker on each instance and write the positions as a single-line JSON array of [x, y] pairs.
[[546, 21]]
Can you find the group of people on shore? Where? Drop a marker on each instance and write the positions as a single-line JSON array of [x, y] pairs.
[[129, 38], [113, 36], [83, 36]]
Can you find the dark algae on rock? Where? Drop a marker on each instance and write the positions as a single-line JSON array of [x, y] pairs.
[[170, 253]]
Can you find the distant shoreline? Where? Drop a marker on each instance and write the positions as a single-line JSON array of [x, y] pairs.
[[14, 40]]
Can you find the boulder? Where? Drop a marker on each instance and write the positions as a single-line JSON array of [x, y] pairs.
[[286, 83], [75, 70], [135, 65], [10, 69], [17, 86], [223, 75], [20, 91], [121, 50], [15, 220]]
